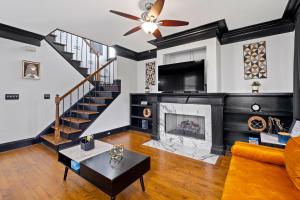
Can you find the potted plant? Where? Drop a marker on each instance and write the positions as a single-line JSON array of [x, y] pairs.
[[147, 89], [87, 143], [255, 86]]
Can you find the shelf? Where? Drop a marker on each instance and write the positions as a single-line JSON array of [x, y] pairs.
[[261, 113], [142, 106], [239, 127], [140, 117]]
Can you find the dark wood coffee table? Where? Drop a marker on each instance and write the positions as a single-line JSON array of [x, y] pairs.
[[109, 176]]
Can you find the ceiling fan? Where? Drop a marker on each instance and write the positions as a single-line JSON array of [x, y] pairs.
[[150, 24]]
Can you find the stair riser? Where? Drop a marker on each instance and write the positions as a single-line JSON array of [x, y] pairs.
[[98, 101], [60, 48], [76, 63], [51, 38], [108, 88], [68, 56], [83, 70], [71, 136], [93, 108], [105, 94], [84, 116], [77, 126]]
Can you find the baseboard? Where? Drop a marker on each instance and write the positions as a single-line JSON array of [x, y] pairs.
[[18, 144], [111, 132]]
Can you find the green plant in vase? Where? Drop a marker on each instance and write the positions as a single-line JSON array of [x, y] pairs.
[[255, 86]]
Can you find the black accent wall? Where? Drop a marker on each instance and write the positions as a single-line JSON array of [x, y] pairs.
[[297, 68]]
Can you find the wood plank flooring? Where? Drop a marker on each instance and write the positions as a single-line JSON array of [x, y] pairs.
[[34, 173]]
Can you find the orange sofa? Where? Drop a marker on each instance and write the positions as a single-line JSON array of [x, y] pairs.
[[260, 172]]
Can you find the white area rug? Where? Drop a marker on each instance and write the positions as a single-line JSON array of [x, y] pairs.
[[183, 150]]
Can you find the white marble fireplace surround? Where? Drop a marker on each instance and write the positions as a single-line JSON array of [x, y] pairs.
[[186, 146]]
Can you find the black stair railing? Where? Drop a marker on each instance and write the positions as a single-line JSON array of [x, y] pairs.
[[87, 55], [67, 103]]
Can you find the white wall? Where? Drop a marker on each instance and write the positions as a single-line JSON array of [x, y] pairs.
[[211, 63], [280, 56], [118, 113], [27, 117]]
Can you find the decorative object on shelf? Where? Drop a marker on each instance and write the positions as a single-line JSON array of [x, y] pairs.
[[257, 123], [274, 125], [283, 137], [116, 153], [150, 73], [255, 107], [75, 165], [255, 61], [145, 124], [147, 112], [253, 140], [30, 70], [87, 143], [144, 103], [255, 87], [295, 130]]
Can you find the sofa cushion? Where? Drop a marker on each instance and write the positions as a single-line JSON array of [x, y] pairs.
[[253, 180], [259, 153], [292, 160]]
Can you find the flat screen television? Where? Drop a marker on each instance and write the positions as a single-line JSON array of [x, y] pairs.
[[182, 77]]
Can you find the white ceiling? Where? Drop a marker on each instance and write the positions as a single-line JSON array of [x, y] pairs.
[[92, 19]]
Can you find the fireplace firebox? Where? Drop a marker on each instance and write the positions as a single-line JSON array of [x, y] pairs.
[[185, 125]]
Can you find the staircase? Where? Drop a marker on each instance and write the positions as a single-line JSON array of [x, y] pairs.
[[77, 109], [83, 54]]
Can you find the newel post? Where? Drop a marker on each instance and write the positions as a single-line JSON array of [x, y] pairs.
[[57, 131]]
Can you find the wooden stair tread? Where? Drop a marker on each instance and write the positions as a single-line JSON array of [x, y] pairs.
[[67, 129], [76, 120], [51, 139], [92, 104], [88, 112]]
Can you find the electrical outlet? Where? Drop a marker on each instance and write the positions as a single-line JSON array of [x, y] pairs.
[[46, 96], [11, 96]]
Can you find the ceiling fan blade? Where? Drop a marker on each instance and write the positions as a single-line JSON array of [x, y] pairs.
[[173, 23], [157, 34], [157, 8], [133, 30], [125, 15]]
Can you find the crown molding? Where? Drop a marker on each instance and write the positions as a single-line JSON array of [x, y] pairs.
[[207, 31], [274, 27], [127, 53], [291, 10], [20, 35]]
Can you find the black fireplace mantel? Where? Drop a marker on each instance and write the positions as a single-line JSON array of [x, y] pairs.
[[216, 100]]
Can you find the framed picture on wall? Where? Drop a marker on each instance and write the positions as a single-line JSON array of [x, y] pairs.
[[30, 70]]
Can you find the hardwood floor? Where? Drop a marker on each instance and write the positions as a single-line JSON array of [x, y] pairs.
[[34, 173]]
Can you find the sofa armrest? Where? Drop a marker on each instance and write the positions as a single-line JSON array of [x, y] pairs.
[[258, 153]]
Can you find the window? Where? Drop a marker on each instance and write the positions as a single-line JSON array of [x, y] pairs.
[[111, 52]]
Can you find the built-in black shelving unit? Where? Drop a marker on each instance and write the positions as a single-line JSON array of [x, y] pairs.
[[237, 111], [136, 113]]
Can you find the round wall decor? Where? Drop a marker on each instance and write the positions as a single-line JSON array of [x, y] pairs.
[[147, 112], [257, 123]]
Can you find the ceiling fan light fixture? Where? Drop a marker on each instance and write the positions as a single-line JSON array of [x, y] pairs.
[[149, 27]]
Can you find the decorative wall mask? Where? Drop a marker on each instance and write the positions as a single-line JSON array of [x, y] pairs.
[[255, 61], [150, 73]]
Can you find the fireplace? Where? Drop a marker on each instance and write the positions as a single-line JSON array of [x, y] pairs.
[[185, 125]]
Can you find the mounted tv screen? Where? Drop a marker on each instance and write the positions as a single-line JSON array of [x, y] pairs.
[[182, 77]]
